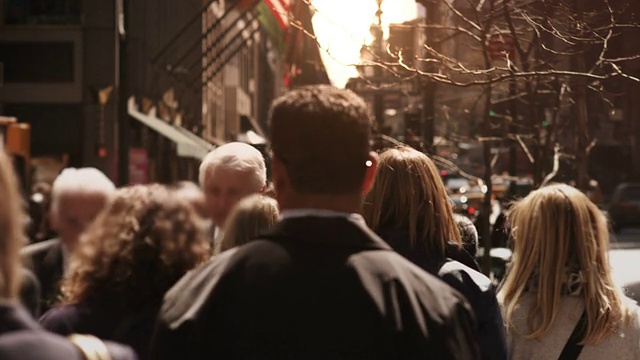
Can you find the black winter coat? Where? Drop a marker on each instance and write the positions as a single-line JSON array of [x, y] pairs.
[[314, 288], [457, 269]]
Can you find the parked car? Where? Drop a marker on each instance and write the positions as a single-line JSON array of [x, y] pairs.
[[624, 208], [454, 184], [512, 190]]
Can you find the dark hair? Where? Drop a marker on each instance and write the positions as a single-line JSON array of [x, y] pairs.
[[468, 234], [321, 135], [139, 246]]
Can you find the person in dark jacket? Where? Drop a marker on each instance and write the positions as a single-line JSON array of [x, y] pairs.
[[78, 195], [21, 338], [144, 241], [30, 292], [408, 208], [320, 285]]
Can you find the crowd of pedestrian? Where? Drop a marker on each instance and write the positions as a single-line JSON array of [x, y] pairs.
[[346, 254]]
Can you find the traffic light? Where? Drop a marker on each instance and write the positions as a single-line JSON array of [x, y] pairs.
[[101, 151]]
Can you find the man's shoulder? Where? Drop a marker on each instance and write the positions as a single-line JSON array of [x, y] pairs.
[[39, 257], [60, 319], [390, 267], [184, 300], [41, 248], [457, 272], [26, 345]]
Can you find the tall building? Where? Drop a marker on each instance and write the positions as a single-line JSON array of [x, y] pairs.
[[196, 76]]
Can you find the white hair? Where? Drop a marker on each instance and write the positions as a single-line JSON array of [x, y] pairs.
[[78, 182], [235, 156]]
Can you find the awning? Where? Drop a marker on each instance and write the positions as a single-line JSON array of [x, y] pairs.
[[187, 143], [252, 138], [250, 131]]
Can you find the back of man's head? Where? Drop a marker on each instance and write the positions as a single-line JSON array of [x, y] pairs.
[[80, 181], [236, 156], [321, 136]]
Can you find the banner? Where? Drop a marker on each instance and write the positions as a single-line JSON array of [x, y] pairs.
[[303, 61], [274, 18], [138, 166]]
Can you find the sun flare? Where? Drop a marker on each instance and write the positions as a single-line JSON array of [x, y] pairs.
[[342, 27]]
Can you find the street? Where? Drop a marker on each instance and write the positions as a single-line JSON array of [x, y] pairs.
[[625, 261]]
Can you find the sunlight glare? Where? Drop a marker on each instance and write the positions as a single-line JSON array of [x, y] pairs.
[[342, 27]]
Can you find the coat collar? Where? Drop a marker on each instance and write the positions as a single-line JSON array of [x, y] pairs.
[[333, 231]]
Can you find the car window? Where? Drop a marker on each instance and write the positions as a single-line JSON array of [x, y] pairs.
[[457, 183]]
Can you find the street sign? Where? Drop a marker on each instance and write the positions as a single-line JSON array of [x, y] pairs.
[[381, 86], [501, 46]]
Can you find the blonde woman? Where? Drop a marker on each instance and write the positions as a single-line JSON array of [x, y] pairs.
[[560, 271], [409, 208], [251, 217], [21, 338]]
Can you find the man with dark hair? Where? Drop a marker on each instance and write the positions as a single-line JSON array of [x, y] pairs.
[[321, 136], [321, 285]]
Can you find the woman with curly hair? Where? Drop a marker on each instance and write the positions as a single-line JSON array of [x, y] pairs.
[[139, 246], [20, 336]]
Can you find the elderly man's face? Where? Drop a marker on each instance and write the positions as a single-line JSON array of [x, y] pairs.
[[224, 188], [74, 213]]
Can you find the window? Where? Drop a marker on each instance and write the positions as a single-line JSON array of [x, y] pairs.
[[23, 62], [41, 12]]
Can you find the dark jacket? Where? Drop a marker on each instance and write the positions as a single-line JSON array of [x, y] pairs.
[[314, 288], [30, 292], [476, 287], [46, 261], [22, 339], [104, 321]]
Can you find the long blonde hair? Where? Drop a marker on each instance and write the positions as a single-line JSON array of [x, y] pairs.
[[408, 193], [557, 230], [249, 218], [11, 231]]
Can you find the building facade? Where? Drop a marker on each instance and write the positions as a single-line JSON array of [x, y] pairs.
[[188, 85]]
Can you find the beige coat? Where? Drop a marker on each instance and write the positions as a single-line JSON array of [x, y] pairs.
[[623, 345]]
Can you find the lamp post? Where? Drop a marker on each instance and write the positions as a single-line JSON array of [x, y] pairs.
[[429, 88], [378, 98], [121, 78]]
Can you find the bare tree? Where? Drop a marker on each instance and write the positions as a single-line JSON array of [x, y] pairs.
[[531, 68], [529, 71]]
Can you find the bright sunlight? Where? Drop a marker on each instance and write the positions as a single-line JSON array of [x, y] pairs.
[[342, 27]]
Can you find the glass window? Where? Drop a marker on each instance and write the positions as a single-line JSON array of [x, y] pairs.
[[41, 12], [23, 62], [456, 183]]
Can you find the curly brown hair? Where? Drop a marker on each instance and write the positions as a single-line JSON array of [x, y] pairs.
[[146, 239]]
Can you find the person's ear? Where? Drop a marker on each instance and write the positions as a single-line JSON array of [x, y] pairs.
[[279, 175], [370, 175]]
